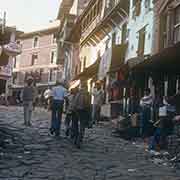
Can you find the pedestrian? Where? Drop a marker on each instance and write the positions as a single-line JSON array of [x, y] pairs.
[[175, 101], [35, 100], [47, 96], [28, 96], [70, 113], [164, 125], [146, 125], [97, 103], [58, 95], [161, 110], [82, 105]]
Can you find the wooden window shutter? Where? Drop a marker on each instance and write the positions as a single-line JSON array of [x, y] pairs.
[[141, 44]]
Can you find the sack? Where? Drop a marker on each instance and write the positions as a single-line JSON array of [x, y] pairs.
[[135, 120], [163, 111], [171, 108]]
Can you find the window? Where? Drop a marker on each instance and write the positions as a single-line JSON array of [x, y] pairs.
[[94, 10], [50, 75], [14, 78], [53, 57], [18, 42], [147, 5], [177, 25], [34, 59], [35, 42], [141, 44], [84, 63], [108, 3], [91, 15], [76, 70], [137, 9], [80, 66], [114, 38], [107, 44], [134, 2], [164, 31], [124, 33], [15, 62], [54, 38], [41, 73]]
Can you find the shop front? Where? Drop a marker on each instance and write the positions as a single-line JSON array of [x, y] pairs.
[[116, 81], [160, 73], [89, 76], [163, 69]]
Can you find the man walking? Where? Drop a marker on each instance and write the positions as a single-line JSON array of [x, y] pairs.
[[58, 95], [70, 114], [28, 97], [82, 104], [146, 126], [47, 96], [98, 101]]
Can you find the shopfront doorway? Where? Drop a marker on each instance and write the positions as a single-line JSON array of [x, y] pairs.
[[2, 86]]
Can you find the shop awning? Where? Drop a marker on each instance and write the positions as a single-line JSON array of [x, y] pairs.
[[167, 61], [89, 72], [133, 62], [118, 56]]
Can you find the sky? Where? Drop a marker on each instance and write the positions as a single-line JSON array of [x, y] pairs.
[[29, 15]]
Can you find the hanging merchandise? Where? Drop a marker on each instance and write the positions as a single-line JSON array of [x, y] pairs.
[[105, 64]]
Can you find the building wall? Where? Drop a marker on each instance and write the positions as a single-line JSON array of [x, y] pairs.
[[145, 19], [161, 6], [43, 50], [78, 6]]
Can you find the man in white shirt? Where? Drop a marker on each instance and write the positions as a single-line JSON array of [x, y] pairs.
[[98, 102], [58, 95], [47, 96], [146, 127]]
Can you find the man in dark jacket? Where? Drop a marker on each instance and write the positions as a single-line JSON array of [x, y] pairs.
[[82, 106], [175, 101]]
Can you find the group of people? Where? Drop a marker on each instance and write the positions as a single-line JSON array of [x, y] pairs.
[[77, 102], [161, 109]]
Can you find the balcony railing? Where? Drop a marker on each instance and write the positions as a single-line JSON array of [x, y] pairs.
[[110, 4]]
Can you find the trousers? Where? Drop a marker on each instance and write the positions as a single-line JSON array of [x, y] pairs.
[[28, 108], [96, 113], [79, 125], [57, 110]]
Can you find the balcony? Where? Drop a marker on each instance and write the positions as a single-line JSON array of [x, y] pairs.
[[117, 13], [110, 5]]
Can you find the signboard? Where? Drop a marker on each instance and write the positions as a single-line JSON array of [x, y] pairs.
[[12, 49], [6, 71]]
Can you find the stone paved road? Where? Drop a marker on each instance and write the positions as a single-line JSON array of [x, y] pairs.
[[30, 154]]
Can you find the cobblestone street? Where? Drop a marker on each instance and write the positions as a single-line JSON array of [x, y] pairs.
[[30, 154]]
